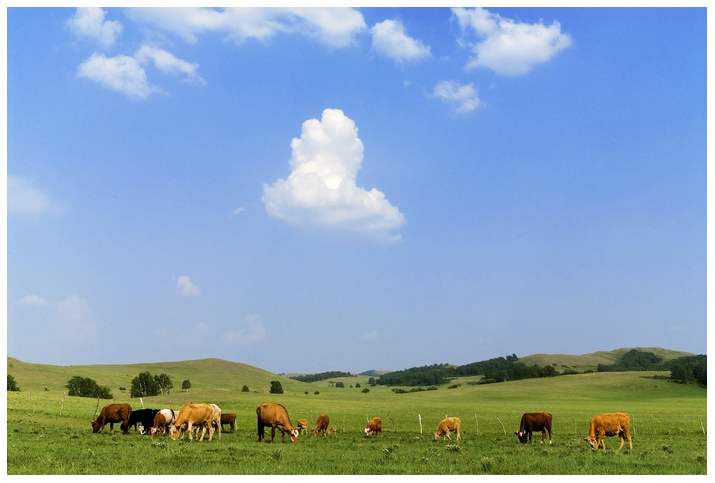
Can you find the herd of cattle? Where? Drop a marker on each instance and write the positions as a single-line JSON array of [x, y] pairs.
[[194, 417]]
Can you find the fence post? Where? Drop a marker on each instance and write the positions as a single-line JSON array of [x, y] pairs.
[[502, 426]]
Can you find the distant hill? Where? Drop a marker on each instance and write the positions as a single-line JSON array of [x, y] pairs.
[[202, 373], [593, 359]]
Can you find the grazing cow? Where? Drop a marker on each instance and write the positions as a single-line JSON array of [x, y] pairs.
[[333, 430], [609, 425], [144, 417], [374, 426], [162, 421], [113, 413], [447, 425], [276, 416], [191, 415], [534, 422], [302, 426], [321, 425], [230, 419]]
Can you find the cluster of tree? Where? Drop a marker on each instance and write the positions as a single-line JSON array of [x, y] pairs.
[[145, 384], [634, 360], [517, 372], [320, 376], [690, 369], [11, 384], [433, 375], [86, 387]]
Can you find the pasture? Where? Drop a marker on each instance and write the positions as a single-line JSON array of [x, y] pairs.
[[667, 423]]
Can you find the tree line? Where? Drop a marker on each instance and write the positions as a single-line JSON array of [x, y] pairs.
[[685, 370], [321, 376]]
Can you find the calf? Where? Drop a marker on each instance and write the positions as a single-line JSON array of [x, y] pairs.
[[162, 421], [534, 422], [447, 425], [113, 413], [609, 425], [321, 425], [230, 419], [302, 426], [374, 426]]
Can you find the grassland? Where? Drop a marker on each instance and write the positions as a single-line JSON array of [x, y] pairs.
[[667, 425]]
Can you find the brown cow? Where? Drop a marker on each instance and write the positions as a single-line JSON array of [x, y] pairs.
[[534, 422], [447, 425], [609, 425], [230, 419], [302, 426], [196, 415], [374, 426], [276, 416], [333, 430], [113, 413], [321, 425]]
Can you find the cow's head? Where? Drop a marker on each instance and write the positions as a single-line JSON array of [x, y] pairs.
[[521, 435], [592, 441], [174, 432], [95, 426]]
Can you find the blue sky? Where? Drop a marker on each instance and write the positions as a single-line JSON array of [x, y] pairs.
[[306, 190]]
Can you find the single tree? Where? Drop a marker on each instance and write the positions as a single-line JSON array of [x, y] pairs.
[[11, 384], [276, 387]]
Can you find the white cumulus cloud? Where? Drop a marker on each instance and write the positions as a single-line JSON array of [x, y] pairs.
[[464, 98], [250, 331], [321, 189], [335, 27], [390, 39], [506, 46], [186, 288], [89, 22]]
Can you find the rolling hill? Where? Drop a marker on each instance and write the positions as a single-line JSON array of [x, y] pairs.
[[218, 373]]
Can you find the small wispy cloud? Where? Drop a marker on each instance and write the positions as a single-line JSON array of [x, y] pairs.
[[185, 288], [370, 336], [390, 39], [122, 74], [32, 301], [463, 98], [506, 46], [26, 201], [250, 331], [89, 22], [168, 63]]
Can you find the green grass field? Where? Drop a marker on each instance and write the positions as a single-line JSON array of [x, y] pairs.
[[667, 423]]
